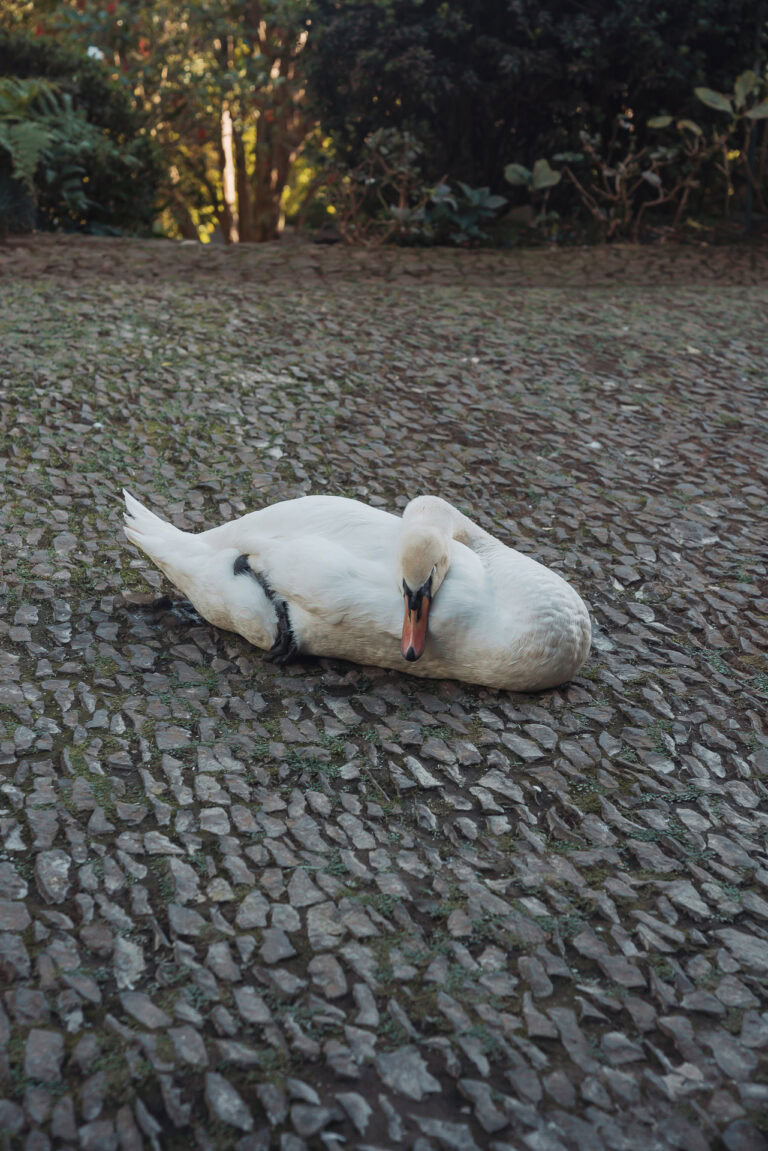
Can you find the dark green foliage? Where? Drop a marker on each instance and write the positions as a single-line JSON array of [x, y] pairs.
[[683, 168], [458, 217], [483, 82], [24, 135], [17, 205], [417, 67], [99, 172]]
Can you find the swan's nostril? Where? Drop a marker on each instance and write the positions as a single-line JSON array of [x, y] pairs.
[[410, 655]]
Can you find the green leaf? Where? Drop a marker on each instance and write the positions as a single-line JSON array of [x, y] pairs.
[[745, 83], [543, 176], [568, 157], [442, 194], [517, 174], [495, 202], [714, 100], [476, 196], [759, 112], [660, 122], [26, 143], [690, 125]]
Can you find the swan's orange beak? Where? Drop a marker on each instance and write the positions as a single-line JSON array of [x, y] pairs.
[[415, 627]]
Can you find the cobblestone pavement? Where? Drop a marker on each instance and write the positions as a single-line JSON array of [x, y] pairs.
[[245, 907]]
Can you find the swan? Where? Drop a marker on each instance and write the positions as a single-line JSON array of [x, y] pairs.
[[431, 593]]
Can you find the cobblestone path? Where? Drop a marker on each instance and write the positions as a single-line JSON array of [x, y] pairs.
[[329, 905]]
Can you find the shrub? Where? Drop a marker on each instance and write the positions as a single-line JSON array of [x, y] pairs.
[[384, 197], [98, 171], [681, 164], [23, 137], [381, 197], [456, 216]]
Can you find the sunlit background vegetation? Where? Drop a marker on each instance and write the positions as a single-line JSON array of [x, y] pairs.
[[411, 121]]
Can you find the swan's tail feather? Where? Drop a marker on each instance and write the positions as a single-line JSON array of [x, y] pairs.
[[156, 537]]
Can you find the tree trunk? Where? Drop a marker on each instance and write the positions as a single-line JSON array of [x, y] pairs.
[[267, 221], [265, 213], [762, 165], [280, 126], [228, 216], [243, 189], [183, 216], [277, 143]]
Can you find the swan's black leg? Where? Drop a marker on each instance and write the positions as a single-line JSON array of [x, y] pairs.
[[285, 649]]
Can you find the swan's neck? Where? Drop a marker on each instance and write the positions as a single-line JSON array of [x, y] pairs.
[[431, 512]]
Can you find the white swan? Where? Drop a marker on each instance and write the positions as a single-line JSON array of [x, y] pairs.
[[329, 576]]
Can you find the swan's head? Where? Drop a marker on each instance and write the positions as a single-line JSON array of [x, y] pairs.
[[424, 559]]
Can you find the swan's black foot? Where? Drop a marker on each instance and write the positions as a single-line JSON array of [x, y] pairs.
[[162, 603], [185, 611], [285, 649], [181, 608], [282, 656]]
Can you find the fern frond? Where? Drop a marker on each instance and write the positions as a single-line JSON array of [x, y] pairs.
[[21, 98], [26, 142]]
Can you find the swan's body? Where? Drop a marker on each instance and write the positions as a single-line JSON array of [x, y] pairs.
[[335, 570]]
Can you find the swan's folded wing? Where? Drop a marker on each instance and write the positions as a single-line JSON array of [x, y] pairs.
[[323, 578], [351, 525]]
